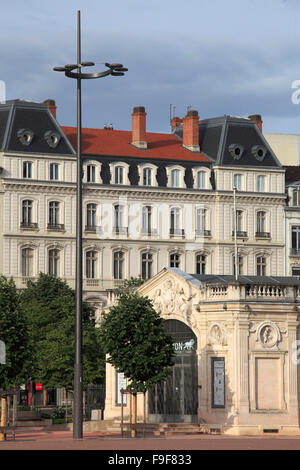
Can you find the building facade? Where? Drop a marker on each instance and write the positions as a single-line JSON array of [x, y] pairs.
[[150, 200], [236, 354]]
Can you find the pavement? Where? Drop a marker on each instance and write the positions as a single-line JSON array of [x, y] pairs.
[[108, 443]]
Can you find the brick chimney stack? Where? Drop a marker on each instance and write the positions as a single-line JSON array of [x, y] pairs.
[[175, 122], [139, 127], [257, 119], [191, 131], [51, 105]]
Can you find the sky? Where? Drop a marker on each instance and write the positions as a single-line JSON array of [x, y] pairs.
[[235, 57]]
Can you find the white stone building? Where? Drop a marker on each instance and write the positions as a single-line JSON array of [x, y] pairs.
[[149, 200]]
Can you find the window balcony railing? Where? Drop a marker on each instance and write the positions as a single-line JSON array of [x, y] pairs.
[[56, 227], [120, 230], [93, 228], [240, 234], [177, 232], [29, 225], [295, 251], [203, 233], [263, 235]]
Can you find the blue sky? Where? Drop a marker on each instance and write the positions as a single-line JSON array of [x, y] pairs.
[[235, 57]]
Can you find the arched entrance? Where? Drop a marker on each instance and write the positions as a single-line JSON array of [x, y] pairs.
[[176, 399]]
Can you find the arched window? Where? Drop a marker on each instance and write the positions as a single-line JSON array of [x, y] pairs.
[[200, 264], [260, 222], [53, 214], [91, 210], [119, 175], [147, 264], [175, 260], [118, 265], [27, 208], [261, 266], [90, 264], [53, 262], [147, 176], [175, 178], [200, 220], [146, 219], [201, 179], [27, 262]]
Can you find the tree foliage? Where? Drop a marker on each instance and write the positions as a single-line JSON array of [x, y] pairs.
[[49, 307], [134, 337], [13, 331]]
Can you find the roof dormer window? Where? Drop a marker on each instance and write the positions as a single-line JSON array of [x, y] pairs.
[[259, 152], [52, 138], [25, 136], [236, 151]]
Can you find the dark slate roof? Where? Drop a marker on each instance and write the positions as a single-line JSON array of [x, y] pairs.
[[230, 279], [216, 135], [18, 115], [292, 174]]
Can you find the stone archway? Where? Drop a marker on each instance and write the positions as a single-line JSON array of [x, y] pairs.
[[176, 399]]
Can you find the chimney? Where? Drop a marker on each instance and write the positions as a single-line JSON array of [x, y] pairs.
[[175, 122], [51, 105], [257, 119], [139, 127], [191, 131]]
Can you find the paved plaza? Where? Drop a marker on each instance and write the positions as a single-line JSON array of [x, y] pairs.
[[99, 441]]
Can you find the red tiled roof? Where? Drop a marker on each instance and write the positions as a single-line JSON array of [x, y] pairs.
[[118, 143]]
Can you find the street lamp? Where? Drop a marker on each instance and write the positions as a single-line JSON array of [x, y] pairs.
[[114, 70]]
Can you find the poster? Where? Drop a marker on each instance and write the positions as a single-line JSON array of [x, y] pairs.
[[218, 382]]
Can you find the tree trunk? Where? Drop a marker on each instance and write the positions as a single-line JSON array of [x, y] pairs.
[[3, 417]]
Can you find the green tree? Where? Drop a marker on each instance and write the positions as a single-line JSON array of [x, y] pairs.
[[135, 341], [13, 331], [49, 306], [132, 284]]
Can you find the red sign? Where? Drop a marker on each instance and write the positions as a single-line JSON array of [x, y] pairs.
[[39, 386]]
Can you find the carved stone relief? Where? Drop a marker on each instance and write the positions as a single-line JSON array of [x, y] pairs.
[[217, 334]]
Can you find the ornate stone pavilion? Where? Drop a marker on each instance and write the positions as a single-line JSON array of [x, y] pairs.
[[236, 365]]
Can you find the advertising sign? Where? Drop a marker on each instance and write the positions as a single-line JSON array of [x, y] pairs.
[[218, 382], [121, 382]]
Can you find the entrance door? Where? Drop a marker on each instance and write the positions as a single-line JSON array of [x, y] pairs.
[[176, 399]]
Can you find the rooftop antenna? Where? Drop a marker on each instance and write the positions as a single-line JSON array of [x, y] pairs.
[[172, 114]]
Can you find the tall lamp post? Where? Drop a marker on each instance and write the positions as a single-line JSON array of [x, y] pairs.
[[114, 70]]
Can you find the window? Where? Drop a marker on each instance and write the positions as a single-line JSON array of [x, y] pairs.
[[27, 262], [90, 264], [296, 272], [91, 173], [147, 261], [119, 217], [147, 177], [175, 260], [200, 220], [260, 266], [175, 178], [240, 265], [200, 264], [261, 183], [201, 180], [27, 169], [91, 210], [239, 223], [53, 213], [296, 197], [146, 219], [175, 221], [295, 240], [119, 175], [260, 223], [27, 213], [53, 260], [118, 265], [54, 171], [237, 181]]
